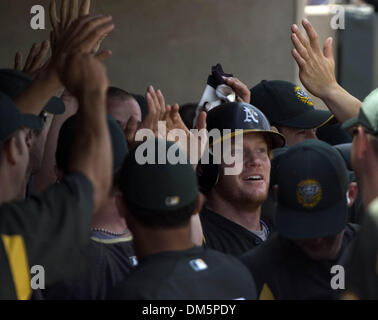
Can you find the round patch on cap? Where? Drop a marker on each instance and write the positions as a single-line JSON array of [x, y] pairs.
[[309, 193], [303, 96]]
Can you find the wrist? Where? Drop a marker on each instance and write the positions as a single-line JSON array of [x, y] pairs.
[[331, 92], [93, 96], [50, 79]]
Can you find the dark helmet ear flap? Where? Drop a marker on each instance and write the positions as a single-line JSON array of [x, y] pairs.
[[207, 175]]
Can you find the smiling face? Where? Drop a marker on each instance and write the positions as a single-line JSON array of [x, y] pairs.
[[251, 185]]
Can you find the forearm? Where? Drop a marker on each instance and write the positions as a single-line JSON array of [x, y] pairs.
[[92, 154], [341, 103], [35, 97]]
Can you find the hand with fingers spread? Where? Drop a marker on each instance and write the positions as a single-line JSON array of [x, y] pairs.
[[69, 12], [240, 88], [156, 112], [317, 72], [316, 68], [174, 121], [83, 74], [81, 36], [35, 61]]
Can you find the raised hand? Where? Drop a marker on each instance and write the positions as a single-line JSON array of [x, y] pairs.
[[69, 12], [240, 88], [35, 61], [80, 37], [316, 67], [195, 142], [156, 111], [82, 74], [317, 72]]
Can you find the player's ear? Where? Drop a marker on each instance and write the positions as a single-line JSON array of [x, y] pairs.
[[11, 151], [352, 193]]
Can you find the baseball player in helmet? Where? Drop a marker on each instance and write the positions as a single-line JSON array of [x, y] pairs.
[[231, 216]]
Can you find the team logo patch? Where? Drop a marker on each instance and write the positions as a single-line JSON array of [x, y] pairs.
[[251, 115], [172, 201], [198, 265], [303, 96], [309, 193]]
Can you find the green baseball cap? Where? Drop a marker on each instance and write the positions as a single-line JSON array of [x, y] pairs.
[[13, 82], [312, 183], [165, 187], [368, 115], [11, 119]]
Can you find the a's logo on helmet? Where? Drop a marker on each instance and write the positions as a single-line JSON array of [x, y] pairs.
[[309, 193], [251, 115], [303, 96]]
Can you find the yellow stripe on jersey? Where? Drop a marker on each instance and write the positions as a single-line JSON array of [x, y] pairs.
[[18, 262], [112, 241], [266, 293]]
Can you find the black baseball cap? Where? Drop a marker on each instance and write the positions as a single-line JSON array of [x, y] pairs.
[[13, 82], [368, 115], [312, 188], [11, 119], [241, 116], [286, 104], [67, 136], [152, 186]]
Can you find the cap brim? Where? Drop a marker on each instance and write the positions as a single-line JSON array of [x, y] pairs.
[[32, 121], [55, 106], [304, 225], [313, 118], [278, 139], [349, 123]]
